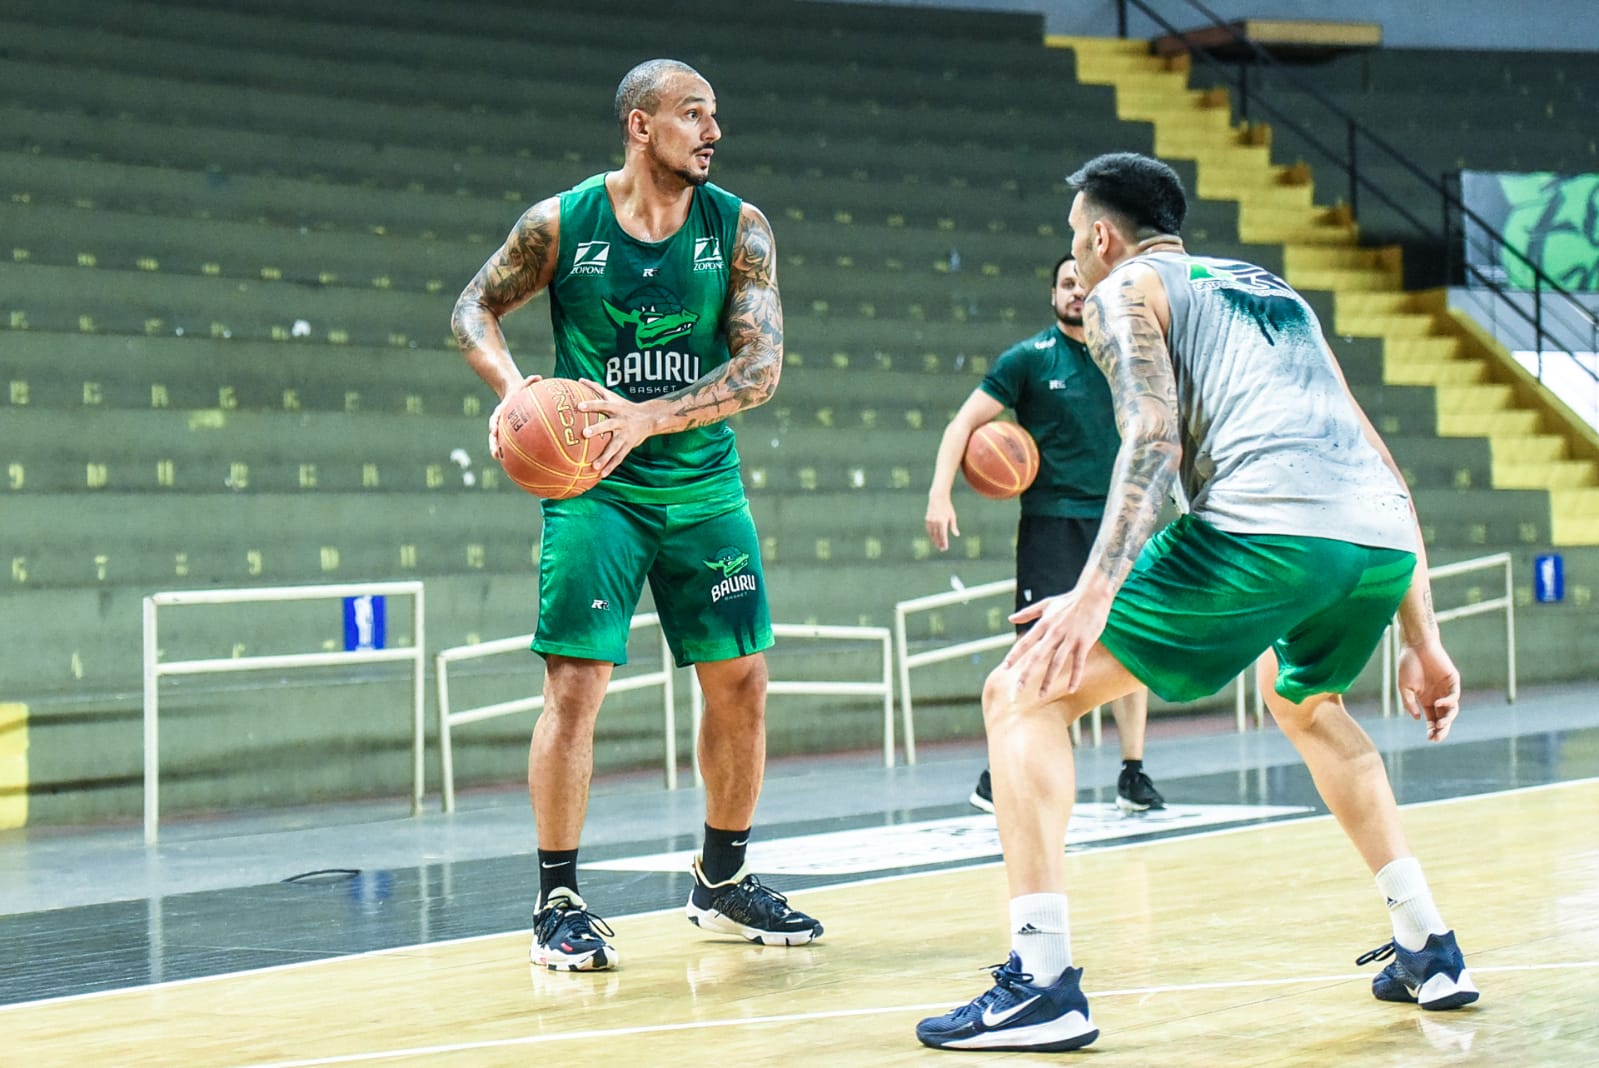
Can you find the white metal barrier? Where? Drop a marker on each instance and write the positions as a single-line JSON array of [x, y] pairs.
[[154, 669], [908, 660], [884, 688], [448, 719], [1390, 645]]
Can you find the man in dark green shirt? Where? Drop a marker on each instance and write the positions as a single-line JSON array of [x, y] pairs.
[[663, 291], [1060, 397]]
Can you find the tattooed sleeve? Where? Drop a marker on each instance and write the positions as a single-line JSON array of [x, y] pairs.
[[1126, 341], [521, 267], [754, 319]]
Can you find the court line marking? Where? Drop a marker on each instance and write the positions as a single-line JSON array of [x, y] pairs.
[[831, 1014], [172, 984]]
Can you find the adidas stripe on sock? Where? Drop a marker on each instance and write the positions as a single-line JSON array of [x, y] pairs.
[[1410, 903], [1040, 935]]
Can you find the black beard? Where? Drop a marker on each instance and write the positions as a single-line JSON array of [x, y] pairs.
[[1070, 320], [691, 178]]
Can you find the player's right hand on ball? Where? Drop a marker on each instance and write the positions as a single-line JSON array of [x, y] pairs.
[[494, 416]]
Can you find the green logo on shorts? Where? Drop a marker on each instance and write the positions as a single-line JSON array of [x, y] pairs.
[[730, 563]]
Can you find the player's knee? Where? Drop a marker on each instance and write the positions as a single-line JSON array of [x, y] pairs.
[[1298, 717], [737, 687], [1002, 701]]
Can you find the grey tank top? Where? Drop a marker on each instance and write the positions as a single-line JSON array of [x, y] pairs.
[[1271, 442]]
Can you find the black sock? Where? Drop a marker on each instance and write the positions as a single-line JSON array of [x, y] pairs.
[[557, 868], [1134, 766], [723, 854]]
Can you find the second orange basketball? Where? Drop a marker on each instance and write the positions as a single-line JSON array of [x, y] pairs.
[[542, 446], [1001, 460]]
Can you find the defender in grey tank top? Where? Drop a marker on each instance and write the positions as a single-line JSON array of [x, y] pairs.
[[1299, 548], [1270, 442]]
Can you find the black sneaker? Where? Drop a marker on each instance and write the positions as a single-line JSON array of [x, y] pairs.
[[1135, 793], [1434, 976], [743, 906], [567, 936], [983, 795]]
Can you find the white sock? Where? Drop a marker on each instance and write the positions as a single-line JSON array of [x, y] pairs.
[[1040, 936], [1410, 903]]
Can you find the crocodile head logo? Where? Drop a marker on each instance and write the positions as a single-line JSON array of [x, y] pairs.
[[729, 562], [654, 316]]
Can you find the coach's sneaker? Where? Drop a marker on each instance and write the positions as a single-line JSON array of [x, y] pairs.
[[1135, 793], [745, 907], [567, 936], [983, 793], [1016, 1015], [1434, 976]]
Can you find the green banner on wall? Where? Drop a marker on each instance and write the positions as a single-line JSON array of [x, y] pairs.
[[1552, 218]]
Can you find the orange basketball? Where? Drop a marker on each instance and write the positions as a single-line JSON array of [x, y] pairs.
[[542, 446], [1001, 460]]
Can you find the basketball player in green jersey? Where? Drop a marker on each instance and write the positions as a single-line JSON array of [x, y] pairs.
[[1060, 399], [663, 290], [1300, 538]]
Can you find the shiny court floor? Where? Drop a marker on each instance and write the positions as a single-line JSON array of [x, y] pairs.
[[95, 910]]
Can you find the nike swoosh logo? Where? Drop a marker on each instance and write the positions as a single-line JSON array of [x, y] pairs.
[[557, 864], [995, 1019], [739, 845]]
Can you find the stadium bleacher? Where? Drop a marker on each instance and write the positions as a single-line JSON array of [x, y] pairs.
[[234, 233]]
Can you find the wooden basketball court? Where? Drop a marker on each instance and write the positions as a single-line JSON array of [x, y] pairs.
[[1228, 948]]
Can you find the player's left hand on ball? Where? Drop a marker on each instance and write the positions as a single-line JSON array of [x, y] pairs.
[[627, 422], [494, 416]]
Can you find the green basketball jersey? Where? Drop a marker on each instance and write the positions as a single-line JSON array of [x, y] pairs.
[[1062, 399], [645, 318]]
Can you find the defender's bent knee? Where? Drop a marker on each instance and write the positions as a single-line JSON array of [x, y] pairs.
[[1002, 702]]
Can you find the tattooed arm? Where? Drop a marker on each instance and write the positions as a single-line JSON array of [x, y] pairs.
[[754, 333], [524, 265], [1124, 325], [754, 320]]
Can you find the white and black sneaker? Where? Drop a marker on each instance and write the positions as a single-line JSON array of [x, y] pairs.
[[1136, 793], [568, 937], [746, 907], [983, 793]]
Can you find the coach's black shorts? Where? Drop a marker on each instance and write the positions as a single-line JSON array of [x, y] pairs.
[[1050, 554]]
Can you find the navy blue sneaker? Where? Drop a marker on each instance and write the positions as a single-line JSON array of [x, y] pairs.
[[1016, 1015], [567, 937], [1434, 976], [746, 907]]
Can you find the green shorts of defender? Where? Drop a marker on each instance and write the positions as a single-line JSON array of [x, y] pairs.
[[702, 560], [1201, 605]]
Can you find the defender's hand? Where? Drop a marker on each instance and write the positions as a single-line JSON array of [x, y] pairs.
[[1429, 685], [1056, 649]]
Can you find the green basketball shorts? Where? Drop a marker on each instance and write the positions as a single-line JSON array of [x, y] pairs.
[[702, 560], [1201, 605]]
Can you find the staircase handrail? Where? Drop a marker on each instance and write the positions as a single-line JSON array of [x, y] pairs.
[[1357, 180]]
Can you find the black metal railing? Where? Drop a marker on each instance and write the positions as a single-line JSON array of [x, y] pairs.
[[1454, 213]]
